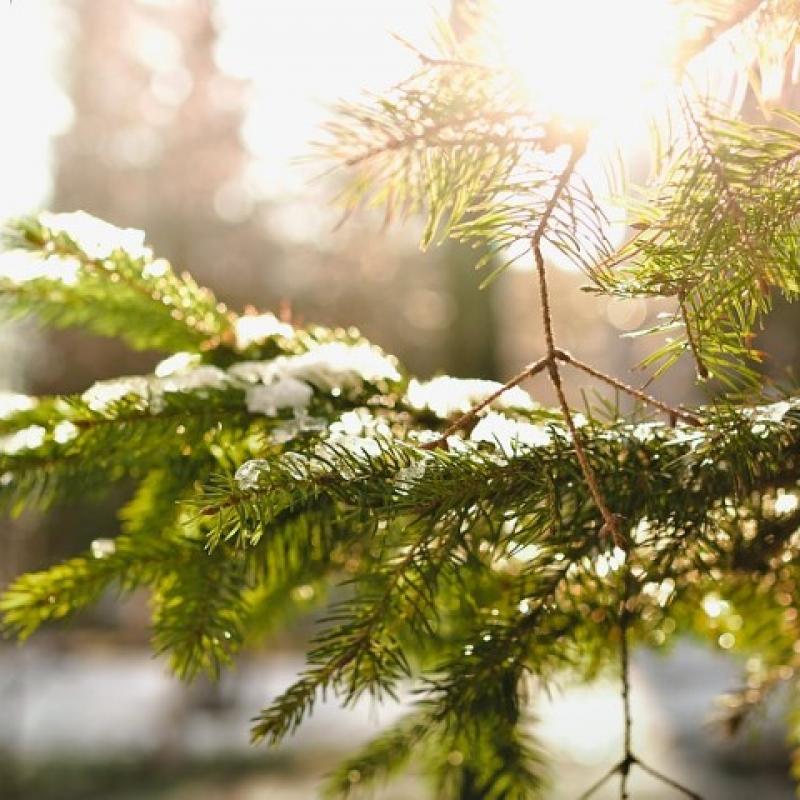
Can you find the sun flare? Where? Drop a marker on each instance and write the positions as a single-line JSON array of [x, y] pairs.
[[589, 61]]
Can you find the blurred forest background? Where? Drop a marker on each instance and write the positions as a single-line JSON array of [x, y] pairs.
[[185, 118]]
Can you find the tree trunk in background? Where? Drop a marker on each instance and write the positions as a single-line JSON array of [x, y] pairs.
[[156, 141]]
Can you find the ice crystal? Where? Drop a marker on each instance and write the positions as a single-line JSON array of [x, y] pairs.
[[329, 367], [359, 446], [197, 378], [786, 503], [360, 422], [103, 548], [647, 431], [104, 394], [298, 465], [176, 363], [301, 423], [412, 473], [64, 432]]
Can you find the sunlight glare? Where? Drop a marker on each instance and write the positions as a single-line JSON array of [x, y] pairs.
[[587, 61], [36, 108]]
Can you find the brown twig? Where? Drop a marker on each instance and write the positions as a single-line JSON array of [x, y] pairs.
[[465, 419], [678, 413], [550, 361], [609, 518], [601, 782], [633, 761], [435, 61], [628, 759], [659, 776], [702, 369]]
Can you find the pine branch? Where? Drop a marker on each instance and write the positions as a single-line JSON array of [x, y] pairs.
[[73, 270], [465, 525], [718, 233], [381, 758]]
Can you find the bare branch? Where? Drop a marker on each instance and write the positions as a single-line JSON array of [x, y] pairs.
[[464, 420], [672, 411]]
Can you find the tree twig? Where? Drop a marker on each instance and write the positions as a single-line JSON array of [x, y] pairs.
[[601, 782], [435, 61], [609, 518], [628, 758], [465, 419], [702, 369], [672, 411], [659, 776]]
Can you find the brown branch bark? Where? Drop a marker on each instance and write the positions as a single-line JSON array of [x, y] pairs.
[[609, 518], [465, 419], [672, 411]]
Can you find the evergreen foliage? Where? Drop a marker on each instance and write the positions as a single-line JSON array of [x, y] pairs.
[[483, 546]]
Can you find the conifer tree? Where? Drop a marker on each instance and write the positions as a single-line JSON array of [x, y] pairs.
[[484, 545]]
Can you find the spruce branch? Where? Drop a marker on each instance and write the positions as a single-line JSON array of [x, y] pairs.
[[629, 758], [647, 399], [283, 461], [610, 520], [702, 370], [97, 284]]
